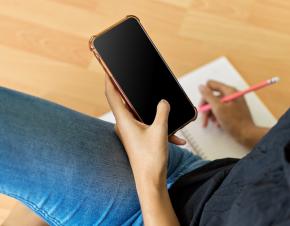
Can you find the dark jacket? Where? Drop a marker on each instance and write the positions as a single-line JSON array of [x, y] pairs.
[[254, 191]]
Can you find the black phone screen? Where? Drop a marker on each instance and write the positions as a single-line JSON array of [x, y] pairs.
[[142, 74]]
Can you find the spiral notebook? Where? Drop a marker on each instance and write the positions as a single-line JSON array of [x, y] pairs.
[[212, 142]]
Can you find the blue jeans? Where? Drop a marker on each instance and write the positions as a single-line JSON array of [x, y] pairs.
[[69, 168]]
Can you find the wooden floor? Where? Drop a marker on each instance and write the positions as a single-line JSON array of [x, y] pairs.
[[44, 45]]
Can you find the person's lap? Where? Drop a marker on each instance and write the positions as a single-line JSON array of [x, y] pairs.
[[71, 169]]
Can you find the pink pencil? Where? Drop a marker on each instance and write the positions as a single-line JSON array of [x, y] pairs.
[[207, 107]]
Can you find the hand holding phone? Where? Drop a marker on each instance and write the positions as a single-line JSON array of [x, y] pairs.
[[138, 71]]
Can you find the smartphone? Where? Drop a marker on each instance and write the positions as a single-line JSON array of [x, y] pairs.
[[141, 75]]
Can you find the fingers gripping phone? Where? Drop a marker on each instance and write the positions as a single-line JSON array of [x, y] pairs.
[[138, 71]]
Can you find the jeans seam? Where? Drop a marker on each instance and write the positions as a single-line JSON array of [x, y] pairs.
[[35, 208]]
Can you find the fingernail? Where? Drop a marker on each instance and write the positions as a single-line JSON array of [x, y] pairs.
[[164, 101]]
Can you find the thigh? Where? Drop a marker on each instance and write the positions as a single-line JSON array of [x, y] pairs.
[[70, 168]]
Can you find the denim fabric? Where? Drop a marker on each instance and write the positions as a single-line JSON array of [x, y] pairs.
[[70, 168]]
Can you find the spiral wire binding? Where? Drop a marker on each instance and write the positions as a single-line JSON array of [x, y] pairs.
[[196, 148]]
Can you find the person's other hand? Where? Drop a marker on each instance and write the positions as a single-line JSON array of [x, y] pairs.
[[234, 116], [146, 145]]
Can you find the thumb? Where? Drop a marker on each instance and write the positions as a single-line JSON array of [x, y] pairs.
[[208, 96], [163, 109]]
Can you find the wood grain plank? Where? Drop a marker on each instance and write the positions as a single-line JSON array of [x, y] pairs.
[[154, 15], [233, 35], [273, 16], [234, 9], [68, 85], [87, 4], [44, 41], [54, 15], [183, 3]]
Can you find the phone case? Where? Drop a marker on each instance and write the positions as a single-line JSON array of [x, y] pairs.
[[108, 72]]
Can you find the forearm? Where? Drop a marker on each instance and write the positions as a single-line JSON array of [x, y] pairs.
[[156, 205], [147, 149]]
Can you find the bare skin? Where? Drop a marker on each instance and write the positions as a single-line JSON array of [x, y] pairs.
[[233, 117]]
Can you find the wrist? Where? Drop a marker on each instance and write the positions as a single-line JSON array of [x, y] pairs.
[[251, 135], [148, 184], [246, 132], [148, 190], [151, 183], [155, 178]]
